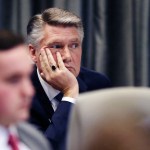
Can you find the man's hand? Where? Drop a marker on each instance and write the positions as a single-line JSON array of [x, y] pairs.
[[59, 77]]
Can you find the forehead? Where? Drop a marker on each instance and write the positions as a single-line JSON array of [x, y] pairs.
[[61, 33], [15, 59]]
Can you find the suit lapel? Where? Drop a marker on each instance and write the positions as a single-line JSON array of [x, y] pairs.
[[31, 137], [25, 138], [82, 85], [41, 95]]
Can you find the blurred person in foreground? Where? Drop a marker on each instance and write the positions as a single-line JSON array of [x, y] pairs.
[[115, 119], [16, 93], [55, 44], [120, 134]]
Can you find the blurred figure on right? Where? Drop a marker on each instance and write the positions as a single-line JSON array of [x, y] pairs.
[[118, 119], [120, 134]]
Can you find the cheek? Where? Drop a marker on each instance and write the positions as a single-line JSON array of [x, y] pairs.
[[4, 92], [77, 59], [5, 100], [7, 96]]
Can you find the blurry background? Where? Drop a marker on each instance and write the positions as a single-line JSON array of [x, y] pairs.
[[117, 33]]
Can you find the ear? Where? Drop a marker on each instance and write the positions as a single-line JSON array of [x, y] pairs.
[[32, 52]]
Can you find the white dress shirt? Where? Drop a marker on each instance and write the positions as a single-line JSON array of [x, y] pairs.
[[4, 134], [51, 93]]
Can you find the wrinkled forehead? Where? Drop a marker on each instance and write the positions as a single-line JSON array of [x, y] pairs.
[[61, 34]]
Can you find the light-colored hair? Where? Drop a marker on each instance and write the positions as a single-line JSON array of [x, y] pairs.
[[53, 17]]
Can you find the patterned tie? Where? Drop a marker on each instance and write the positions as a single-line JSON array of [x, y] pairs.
[[13, 142]]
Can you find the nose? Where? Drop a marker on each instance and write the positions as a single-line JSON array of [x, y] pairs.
[[66, 55]]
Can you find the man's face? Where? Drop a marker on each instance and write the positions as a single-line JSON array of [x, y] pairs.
[[16, 90], [65, 40]]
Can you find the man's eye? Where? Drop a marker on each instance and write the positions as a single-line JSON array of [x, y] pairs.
[[74, 45], [56, 46], [13, 80]]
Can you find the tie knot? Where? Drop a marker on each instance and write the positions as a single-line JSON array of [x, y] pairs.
[[13, 142], [59, 96]]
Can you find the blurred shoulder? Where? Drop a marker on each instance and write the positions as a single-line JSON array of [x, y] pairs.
[[31, 135]]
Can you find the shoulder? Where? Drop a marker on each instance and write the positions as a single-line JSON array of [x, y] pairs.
[[94, 80], [32, 135], [27, 128], [89, 72]]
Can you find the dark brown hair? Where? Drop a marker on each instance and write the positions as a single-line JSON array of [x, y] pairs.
[[8, 39]]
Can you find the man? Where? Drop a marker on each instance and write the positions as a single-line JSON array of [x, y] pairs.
[[16, 92], [55, 41]]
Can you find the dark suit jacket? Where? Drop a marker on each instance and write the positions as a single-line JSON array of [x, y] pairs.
[[54, 125]]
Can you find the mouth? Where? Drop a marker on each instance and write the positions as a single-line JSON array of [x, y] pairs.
[[26, 105]]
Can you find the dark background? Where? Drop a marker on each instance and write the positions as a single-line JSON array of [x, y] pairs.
[[117, 33]]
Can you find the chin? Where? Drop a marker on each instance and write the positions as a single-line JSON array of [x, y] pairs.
[[73, 72], [24, 116], [76, 73]]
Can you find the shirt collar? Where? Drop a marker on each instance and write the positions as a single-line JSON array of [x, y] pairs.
[[4, 132], [49, 90]]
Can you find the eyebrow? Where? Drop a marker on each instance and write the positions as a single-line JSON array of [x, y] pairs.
[[51, 43], [54, 42], [59, 41], [75, 40]]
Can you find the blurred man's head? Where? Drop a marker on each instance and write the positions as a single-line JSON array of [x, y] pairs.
[[16, 90]]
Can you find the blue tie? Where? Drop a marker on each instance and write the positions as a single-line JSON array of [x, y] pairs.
[[59, 96]]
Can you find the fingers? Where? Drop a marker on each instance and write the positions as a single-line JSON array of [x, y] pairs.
[[44, 61], [60, 61], [43, 66], [48, 62], [50, 57]]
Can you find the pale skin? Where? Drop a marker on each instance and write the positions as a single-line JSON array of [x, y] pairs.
[[54, 78], [16, 90], [61, 46]]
